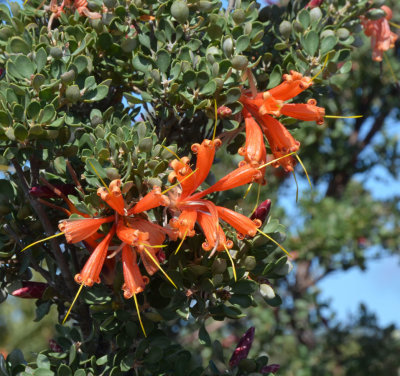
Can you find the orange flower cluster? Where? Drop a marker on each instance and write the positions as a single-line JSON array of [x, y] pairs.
[[260, 111], [382, 39]]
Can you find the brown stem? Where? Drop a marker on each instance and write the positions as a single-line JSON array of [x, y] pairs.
[[48, 228]]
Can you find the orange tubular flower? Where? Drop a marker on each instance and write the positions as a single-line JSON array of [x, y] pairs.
[[293, 84], [213, 241], [185, 223], [242, 175], [280, 141], [152, 200], [242, 224], [113, 196], [76, 230], [306, 112], [382, 39], [90, 273], [254, 152], [135, 282]]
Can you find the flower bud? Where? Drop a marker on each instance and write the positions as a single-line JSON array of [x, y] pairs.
[[315, 14], [30, 290], [240, 62], [272, 368], [285, 28], [224, 112], [262, 211], [218, 266], [73, 94], [243, 348], [342, 33], [180, 11], [250, 263], [238, 16], [56, 52], [227, 47], [68, 76]]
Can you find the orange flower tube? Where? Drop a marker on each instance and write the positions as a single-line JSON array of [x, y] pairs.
[[129, 235], [90, 273], [304, 111], [242, 224], [76, 230], [135, 282], [152, 200], [210, 231], [205, 158], [241, 176], [293, 84], [185, 223], [113, 196]]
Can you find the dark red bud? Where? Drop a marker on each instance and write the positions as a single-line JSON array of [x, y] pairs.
[[272, 368], [2, 73], [314, 3], [224, 111], [243, 348], [262, 211], [30, 290], [54, 346], [161, 256], [45, 192]]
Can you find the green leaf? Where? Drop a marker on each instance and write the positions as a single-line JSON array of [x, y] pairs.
[[232, 95], [24, 66], [142, 63], [209, 88], [5, 119], [275, 77], [311, 42], [97, 170], [41, 59], [47, 114], [81, 63], [327, 44], [346, 67], [276, 301], [43, 361], [189, 79], [204, 337], [304, 18], [163, 60], [64, 370], [18, 45], [20, 132], [97, 94], [43, 372], [80, 372], [242, 43]]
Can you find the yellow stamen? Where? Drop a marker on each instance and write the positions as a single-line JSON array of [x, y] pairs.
[[216, 119], [42, 240], [322, 69], [172, 152], [394, 24], [275, 160], [297, 187], [302, 165], [390, 66], [25, 2], [248, 190], [274, 241], [179, 182], [233, 264], [180, 244], [257, 201], [73, 302], [159, 266], [98, 175], [154, 246], [138, 313], [343, 117]]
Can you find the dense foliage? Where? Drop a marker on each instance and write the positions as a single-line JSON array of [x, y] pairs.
[[101, 93]]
